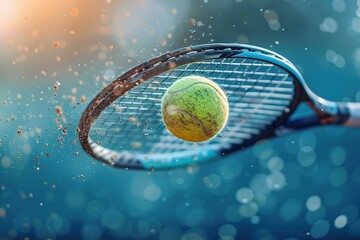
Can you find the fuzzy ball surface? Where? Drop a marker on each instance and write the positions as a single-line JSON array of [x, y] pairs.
[[195, 109]]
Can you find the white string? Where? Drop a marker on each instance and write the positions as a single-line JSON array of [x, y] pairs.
[[258, 94]]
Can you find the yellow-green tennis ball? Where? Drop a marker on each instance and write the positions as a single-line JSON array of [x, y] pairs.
[[194, 109]]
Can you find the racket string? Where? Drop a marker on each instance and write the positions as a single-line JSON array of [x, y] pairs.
[[258, 92]]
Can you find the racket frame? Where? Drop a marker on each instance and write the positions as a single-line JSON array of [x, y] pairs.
[[326, 112]]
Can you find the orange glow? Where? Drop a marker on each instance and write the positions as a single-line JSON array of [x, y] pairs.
[[7, 8], [46, 21], [38, 33]]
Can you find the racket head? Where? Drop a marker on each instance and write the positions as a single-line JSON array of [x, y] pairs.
[[122, 126]]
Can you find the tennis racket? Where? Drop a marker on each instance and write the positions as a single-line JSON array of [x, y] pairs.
[[122, 126]]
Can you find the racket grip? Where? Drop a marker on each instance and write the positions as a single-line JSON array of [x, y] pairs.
[[354, 115]]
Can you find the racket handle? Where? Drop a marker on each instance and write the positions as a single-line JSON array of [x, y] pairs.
[[354, 115]]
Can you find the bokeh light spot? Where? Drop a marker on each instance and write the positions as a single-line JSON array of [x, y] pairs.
[[320, 229], [340, 221]]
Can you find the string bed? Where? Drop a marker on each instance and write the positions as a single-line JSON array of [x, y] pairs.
[[258, 93]]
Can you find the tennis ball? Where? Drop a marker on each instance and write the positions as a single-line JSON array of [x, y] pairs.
[[194, 109]]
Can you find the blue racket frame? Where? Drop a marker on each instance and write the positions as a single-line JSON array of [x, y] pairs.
[[325, 112]]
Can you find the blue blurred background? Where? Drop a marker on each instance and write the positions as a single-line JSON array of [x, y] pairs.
[[56, 55]]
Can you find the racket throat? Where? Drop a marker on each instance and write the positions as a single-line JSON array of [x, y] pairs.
[[317, 113], [329, 112]]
